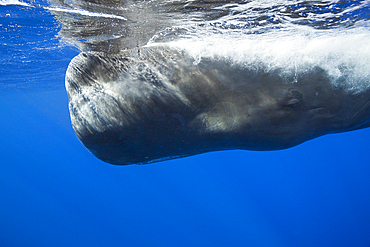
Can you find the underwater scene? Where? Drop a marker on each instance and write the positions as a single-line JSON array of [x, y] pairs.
[[184, 123]]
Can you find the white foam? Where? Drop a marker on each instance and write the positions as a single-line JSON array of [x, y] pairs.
[[13, 2], [85, 13], [344, 55]]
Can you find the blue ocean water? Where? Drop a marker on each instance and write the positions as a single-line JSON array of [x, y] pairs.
[[53, 192]]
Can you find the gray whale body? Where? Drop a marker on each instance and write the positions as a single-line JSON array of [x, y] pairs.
[[145, 105]]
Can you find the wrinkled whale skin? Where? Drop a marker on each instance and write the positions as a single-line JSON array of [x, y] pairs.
[[152, 104]]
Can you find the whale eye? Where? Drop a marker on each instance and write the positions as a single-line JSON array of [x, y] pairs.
[[293, 99]]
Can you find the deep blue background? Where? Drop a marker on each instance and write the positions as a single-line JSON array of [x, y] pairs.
[[53, 192]]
